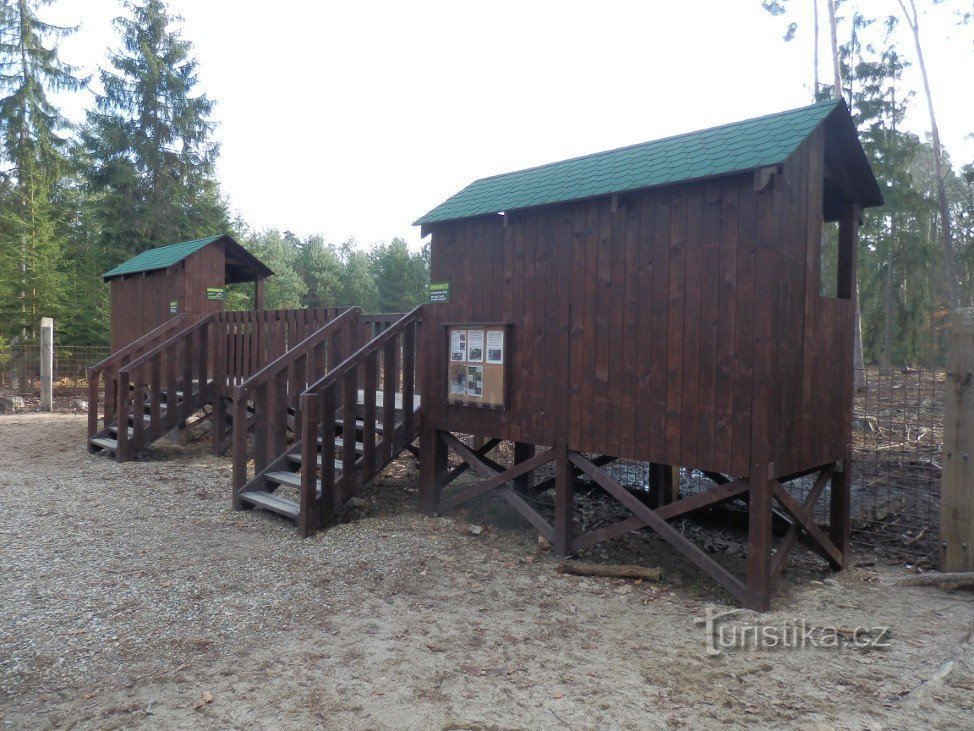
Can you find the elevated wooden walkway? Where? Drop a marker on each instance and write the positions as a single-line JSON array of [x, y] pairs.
[[264, 381]]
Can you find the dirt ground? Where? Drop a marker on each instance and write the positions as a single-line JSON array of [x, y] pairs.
[[132, 595]]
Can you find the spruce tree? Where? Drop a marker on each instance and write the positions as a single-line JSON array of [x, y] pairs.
[[31, 133], [149, 139]]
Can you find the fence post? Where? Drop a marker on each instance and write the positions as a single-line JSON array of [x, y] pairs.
[[957, 488], [47, 364]]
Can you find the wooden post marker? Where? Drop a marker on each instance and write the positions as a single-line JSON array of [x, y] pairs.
[[957, 489], [47, 364]]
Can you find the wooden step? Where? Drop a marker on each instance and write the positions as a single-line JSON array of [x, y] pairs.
[[296, 459], [105, 443], [273, 503]]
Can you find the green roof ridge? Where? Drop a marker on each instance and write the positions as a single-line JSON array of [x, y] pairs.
[[727, 148], [160, 257]]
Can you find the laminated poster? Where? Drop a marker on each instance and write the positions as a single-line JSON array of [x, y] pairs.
[[458, 380], [475, 381], [475, 346], [495, 347], [458, 345]]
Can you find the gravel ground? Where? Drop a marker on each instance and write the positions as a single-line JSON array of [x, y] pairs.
[[132, 595]]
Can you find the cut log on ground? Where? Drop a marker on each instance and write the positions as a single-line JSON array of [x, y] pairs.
[[612, 571], [946, 580]]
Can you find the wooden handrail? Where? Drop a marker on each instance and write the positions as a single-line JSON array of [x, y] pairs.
[[110, 366], [146, 357], [352, 361], [331, 403], [275, 389], [299, 350], [136, 344], [174, 366]]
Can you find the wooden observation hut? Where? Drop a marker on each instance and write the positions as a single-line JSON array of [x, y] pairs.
[[665, 303], [185, 278]]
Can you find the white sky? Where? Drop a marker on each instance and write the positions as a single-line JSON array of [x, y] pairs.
[[352, 119]]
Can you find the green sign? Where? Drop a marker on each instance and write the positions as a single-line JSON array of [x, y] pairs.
[[215, 293], [439, 292], [173, 307]]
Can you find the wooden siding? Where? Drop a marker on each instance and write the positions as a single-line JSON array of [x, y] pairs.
[[683, 328], [140, 302]]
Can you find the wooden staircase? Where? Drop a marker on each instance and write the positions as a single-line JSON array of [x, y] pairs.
[[168, 386], [347, 426], [182, 373]]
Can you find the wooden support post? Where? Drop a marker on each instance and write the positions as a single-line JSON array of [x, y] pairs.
[[759, 542], [47, 364], [523, 451], [957, 487], [839, 522], [664, 483], [432, 466], [564, 501]]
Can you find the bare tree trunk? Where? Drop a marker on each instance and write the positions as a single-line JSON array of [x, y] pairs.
[[886, 361], [858, 361], [815, 50], [946, 234], [836, 69]]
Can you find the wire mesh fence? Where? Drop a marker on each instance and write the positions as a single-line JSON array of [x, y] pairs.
[[20, 369], [895, 487]]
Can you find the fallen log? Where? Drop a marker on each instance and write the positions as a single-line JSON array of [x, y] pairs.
[[612, 571], [948, 580]]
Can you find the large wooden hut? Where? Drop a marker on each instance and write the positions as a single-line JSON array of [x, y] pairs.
[[189, 277], [667, 303]]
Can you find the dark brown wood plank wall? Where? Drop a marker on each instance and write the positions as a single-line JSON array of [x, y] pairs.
[[660, 331]]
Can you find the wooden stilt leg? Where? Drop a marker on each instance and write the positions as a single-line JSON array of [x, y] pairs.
[[664, 484], [839, 509], [564, 501], [218, 425], [523, 451], [759, 543], [432, 466]]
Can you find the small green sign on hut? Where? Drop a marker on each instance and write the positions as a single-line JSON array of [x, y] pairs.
[[439, 292], [215, 293]]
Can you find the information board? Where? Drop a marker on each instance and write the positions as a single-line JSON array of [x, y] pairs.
[[477, 364]]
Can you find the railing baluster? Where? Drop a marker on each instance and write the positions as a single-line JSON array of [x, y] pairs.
[[260, 427], [329, 498], [349, 409], [310, 408], [138, 409], [155, 388], [390, 379], [408, 376], [122, 436], [369, 395], [187, 409]]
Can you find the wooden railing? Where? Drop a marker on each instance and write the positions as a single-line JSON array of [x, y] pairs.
[[274, 392], [103, 377], [174, 380], [386, 365], [249, 339]]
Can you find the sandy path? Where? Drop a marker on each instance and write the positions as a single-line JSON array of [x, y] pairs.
[[127, 592]]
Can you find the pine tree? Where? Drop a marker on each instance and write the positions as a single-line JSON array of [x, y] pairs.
[[149, 140], [31, 128]]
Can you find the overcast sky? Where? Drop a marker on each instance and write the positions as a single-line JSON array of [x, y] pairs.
[[352, 119]]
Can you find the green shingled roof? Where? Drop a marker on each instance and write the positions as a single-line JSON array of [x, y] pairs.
[[736, 147], [160, 257]]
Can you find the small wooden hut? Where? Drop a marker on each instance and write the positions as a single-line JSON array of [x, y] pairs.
[[189, 277], [665, 303]]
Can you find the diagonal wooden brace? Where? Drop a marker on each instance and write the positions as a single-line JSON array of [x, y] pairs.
[[820, 542], [791, 537], [672, 536], [494, 478]]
